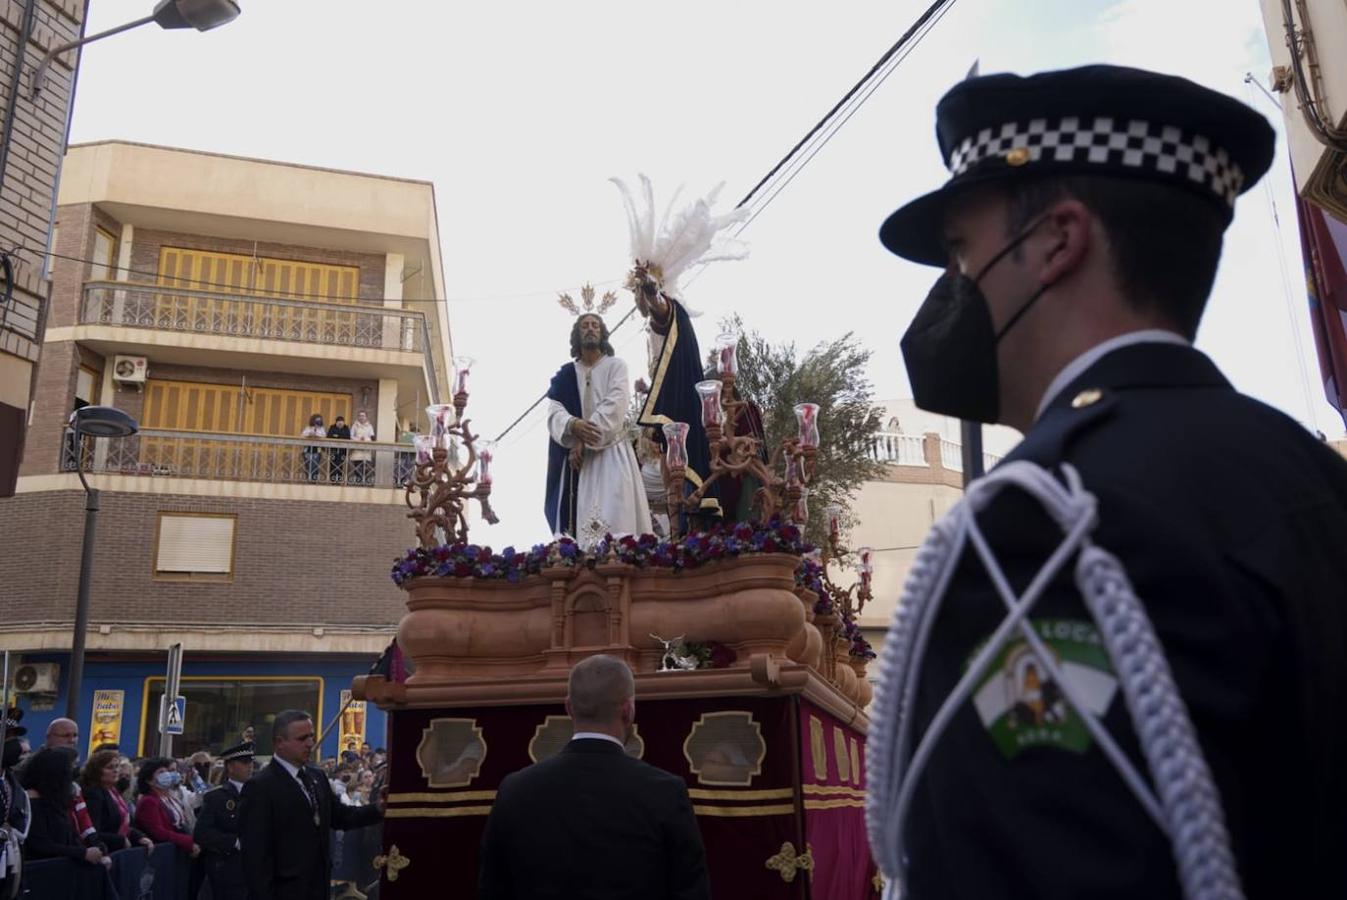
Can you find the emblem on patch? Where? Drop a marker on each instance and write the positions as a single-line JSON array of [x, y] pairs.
[[1022, 705]]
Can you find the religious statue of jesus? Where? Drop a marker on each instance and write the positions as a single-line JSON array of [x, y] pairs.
[[593, 480]]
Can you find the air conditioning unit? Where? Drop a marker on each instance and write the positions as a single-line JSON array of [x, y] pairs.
[[1308, 43], [37, 678], [130, 369]]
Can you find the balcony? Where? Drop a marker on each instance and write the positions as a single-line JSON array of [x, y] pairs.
[[132, 305], [251, 331], [236, 457], [928, 450]]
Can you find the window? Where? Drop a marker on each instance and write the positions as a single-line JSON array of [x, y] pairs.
[[87, 384], [195, 546], [219, 707], [104, 256]]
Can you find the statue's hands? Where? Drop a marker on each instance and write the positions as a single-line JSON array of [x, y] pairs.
[[577, 456], [641, 386], [587, 432]]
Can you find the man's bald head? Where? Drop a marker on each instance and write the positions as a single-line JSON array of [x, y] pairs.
[[600, 693], [62, 733]]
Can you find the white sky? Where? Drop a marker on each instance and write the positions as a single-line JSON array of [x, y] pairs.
[[519, 112]]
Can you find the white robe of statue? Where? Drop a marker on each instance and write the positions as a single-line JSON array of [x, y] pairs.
[[610, 497]]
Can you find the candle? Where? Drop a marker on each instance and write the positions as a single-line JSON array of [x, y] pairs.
[[864, 563], [727, 354], [442, 419], [806, 414], [484, 466], [463, 365], [834, 514], [676, 437], [424, 444], [709, 391]]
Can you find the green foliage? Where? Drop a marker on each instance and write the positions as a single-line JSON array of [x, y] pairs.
[[831, 374]]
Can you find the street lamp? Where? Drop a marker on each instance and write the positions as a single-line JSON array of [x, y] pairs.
[[203, 15], [96, 422]]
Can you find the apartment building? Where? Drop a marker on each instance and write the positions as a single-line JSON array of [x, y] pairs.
[[222, 302]]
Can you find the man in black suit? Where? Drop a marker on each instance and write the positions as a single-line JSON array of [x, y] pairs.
[[1080, 233], [288, 813], [592, 821], [217, 825]]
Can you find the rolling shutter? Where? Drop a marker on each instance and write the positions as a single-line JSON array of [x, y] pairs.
[[195, 544]]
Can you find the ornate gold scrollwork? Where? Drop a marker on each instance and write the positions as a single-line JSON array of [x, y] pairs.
[[789, 864], [394, 861]]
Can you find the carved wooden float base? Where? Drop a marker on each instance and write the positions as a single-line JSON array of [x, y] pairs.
[[461, 630], [762, 676]]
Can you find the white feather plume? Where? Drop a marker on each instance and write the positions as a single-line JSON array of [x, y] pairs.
[[682, 238]]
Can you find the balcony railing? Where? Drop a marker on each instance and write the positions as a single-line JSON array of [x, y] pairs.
[[234, 457], [137, 305], [899, 449]]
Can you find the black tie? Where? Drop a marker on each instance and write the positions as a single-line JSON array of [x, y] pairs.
[[308, 787]]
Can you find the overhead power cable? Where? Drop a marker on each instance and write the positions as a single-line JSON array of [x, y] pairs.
[[850, 103]]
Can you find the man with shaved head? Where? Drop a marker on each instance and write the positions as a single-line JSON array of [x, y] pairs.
[[592, 821]]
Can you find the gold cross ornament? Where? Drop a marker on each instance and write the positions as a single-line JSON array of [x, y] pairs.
[[395, 862], [788, 864]]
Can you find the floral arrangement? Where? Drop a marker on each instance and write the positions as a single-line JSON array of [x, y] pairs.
[[858, 646], [710, 654], [644, 552], [810, 577], [471, 561]]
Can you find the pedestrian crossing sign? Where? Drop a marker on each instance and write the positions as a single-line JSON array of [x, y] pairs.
[[171, 719]]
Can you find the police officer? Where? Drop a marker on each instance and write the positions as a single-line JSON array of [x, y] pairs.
[[217, 825], [1080, 233]]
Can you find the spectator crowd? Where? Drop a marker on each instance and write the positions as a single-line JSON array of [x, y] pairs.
[[53, 806]]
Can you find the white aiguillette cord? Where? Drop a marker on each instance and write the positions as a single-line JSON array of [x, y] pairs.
[[1184, 804]]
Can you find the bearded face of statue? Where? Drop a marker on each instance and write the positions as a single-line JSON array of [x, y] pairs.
[[590, 333]]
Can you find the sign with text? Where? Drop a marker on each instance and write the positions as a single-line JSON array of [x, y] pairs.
[[105, 726]]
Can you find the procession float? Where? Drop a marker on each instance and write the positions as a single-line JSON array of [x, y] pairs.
[[750, 674]]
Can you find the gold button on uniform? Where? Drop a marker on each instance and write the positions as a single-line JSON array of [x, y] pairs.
[[1087, 397], [1017, 156]]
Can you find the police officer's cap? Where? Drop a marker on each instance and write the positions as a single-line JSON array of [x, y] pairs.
[[1096, 120], [240, 752]]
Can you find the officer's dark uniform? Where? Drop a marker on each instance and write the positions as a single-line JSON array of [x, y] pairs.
[[217, 832], [1230, 519]]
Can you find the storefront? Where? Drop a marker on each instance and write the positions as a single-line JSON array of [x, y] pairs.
[[119, 700]]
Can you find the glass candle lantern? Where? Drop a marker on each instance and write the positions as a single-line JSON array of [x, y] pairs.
[[806, 414], [442, 418], [834, 514], [712, 414], [462, 367], [727, 354], [865, 563], [424, 445], [676, 438], [484, 457]]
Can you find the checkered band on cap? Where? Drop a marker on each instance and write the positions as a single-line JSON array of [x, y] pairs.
[[1108, 143]]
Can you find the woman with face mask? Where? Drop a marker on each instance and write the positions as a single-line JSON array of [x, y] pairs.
[[159, 811], [313, 453], [49, 779], [107, 810]]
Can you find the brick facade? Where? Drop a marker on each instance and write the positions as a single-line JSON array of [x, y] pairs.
[[37, 144], [296, 562]]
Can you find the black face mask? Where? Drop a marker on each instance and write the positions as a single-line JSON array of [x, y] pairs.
[[124, 784], [13, 752], [950, 347]]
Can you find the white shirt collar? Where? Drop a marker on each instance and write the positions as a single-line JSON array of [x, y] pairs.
[[596, 735], [1074, 369], [238, 785]]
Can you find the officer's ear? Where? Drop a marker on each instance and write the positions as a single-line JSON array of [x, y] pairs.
[[1065, 242]]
